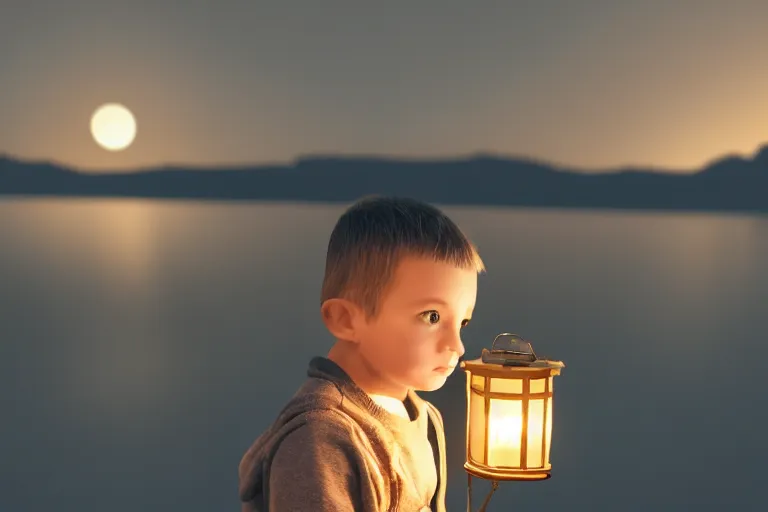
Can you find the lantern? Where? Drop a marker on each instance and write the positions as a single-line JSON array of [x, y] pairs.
[[509, 413]]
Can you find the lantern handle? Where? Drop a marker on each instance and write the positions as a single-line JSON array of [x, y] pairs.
[[513, 350], [516, 344], [510, 350]]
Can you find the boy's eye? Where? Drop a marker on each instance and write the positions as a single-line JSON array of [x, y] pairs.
[[431, 316], [464, 323]]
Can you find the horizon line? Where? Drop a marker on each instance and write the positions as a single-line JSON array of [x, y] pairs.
[[371, 156]]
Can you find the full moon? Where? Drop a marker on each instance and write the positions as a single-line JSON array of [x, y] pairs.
[[113, 127]]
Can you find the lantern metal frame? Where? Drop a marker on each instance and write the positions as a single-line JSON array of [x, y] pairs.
[[511, 358]]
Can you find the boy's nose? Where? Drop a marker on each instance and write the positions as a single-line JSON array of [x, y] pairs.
[[455, 345]]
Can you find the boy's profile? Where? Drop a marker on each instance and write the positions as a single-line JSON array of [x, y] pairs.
[[400, 283]]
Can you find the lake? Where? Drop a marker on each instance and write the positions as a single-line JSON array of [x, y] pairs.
[[145, 344]]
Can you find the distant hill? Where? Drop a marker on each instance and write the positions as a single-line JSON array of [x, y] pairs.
[[727, 184]]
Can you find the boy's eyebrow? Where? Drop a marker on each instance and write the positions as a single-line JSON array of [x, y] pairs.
[[431, 300], [436, 300]]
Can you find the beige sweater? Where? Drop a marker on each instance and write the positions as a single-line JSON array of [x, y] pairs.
[[333, 449]]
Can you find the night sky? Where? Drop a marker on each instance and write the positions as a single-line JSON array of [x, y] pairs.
[[592, 84]]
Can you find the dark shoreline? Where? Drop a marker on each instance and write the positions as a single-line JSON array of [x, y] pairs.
[[730, 185]]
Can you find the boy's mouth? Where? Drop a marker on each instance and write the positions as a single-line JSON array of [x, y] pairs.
[[447, 370]]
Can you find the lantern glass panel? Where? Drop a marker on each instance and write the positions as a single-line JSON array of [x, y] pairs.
[[538, 385], [478, 382], [505, 428], [477, 426], [548, 430], [535, 433], [513, 386]]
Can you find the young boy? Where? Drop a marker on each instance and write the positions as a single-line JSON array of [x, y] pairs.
[[400, 283]]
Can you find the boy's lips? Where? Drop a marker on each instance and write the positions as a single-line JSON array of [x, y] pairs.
[[447, 368]]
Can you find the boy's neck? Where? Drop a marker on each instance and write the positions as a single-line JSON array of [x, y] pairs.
[[366, 377]]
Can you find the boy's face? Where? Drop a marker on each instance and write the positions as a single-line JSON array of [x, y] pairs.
[[414, 341]]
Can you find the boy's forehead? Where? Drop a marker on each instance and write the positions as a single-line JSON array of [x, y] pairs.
[[415, 269], [424, 279]]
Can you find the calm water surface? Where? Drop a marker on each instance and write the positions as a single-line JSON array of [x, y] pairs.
[[144, 345]]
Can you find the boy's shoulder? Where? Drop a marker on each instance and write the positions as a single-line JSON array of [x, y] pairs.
[[319, 407], [326, 430], [318, 427]]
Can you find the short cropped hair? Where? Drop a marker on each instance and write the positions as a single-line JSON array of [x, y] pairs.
[[375, 233]]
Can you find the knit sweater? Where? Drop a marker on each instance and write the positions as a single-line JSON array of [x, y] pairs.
[[332, 448]]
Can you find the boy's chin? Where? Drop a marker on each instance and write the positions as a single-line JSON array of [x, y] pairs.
[[432, 383]]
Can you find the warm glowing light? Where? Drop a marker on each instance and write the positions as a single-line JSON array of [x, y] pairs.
[[505, 430], [113, 127]]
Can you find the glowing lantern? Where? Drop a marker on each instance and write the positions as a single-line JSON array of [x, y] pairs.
[[509, 413]]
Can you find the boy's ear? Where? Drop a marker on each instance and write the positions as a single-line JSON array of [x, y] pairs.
[[341, 317]]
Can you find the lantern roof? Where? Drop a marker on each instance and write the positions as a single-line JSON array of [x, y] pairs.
[[513, 350]]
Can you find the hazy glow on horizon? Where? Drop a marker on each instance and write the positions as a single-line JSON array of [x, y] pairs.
[[594, 84]]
